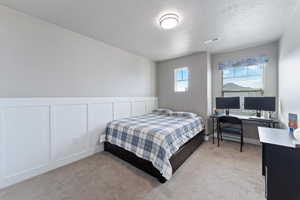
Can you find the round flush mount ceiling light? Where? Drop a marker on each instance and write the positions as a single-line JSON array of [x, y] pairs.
[[169, 20]]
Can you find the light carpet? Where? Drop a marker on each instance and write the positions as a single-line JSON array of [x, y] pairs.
[[210, 173]]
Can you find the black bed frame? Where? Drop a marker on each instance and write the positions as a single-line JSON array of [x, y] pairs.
[[176, 160]]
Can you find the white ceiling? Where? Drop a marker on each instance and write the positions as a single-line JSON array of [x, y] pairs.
[[132, 24]]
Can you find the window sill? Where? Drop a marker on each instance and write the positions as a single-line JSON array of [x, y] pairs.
[[180, 91]]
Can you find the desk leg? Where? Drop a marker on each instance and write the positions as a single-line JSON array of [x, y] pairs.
[[213, 131], [263, 162]]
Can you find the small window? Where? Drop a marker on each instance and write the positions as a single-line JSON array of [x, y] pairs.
[[244, 81], [181, 79]]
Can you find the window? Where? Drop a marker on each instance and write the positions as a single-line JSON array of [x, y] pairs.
[[181, 79], [243, 81]]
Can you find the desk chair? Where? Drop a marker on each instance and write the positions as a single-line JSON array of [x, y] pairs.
[[229, 124]]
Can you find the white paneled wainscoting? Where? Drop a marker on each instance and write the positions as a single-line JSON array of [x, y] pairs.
[[41, 134]]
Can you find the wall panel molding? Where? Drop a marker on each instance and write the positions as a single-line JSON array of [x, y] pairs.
[[41, 134]]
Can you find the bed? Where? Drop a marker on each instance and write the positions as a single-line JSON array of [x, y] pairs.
[[157, 143]]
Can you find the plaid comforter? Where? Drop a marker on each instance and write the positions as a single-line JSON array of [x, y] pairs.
[[153, 137]]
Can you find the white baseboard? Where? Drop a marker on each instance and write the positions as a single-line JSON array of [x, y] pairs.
[[237, 139], [206, 138], [252, 141], [43, 169]]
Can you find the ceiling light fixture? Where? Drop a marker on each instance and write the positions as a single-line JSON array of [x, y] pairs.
[[211, 41], [169, 21]]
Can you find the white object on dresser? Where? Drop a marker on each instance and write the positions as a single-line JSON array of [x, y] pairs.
[[297, 137], [297, 134]]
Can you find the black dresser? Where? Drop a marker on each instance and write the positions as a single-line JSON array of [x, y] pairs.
[[280, 164]]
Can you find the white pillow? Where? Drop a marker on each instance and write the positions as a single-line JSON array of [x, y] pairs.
[[184, 114], [163, 111]]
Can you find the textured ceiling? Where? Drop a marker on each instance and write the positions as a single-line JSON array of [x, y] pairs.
[[132, 24]]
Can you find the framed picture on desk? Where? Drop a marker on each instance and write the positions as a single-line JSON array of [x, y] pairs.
[[293, 122]]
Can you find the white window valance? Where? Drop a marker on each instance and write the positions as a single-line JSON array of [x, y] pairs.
[[243, 62]]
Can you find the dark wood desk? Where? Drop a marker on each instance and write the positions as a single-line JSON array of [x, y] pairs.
[[280, 164], [272, 123]]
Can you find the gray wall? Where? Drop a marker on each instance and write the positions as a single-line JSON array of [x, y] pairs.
[[289, 69], [270, 74], [196, 98], [39, 59]]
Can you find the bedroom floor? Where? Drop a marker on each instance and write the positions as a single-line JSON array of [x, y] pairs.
[[210, 173]]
